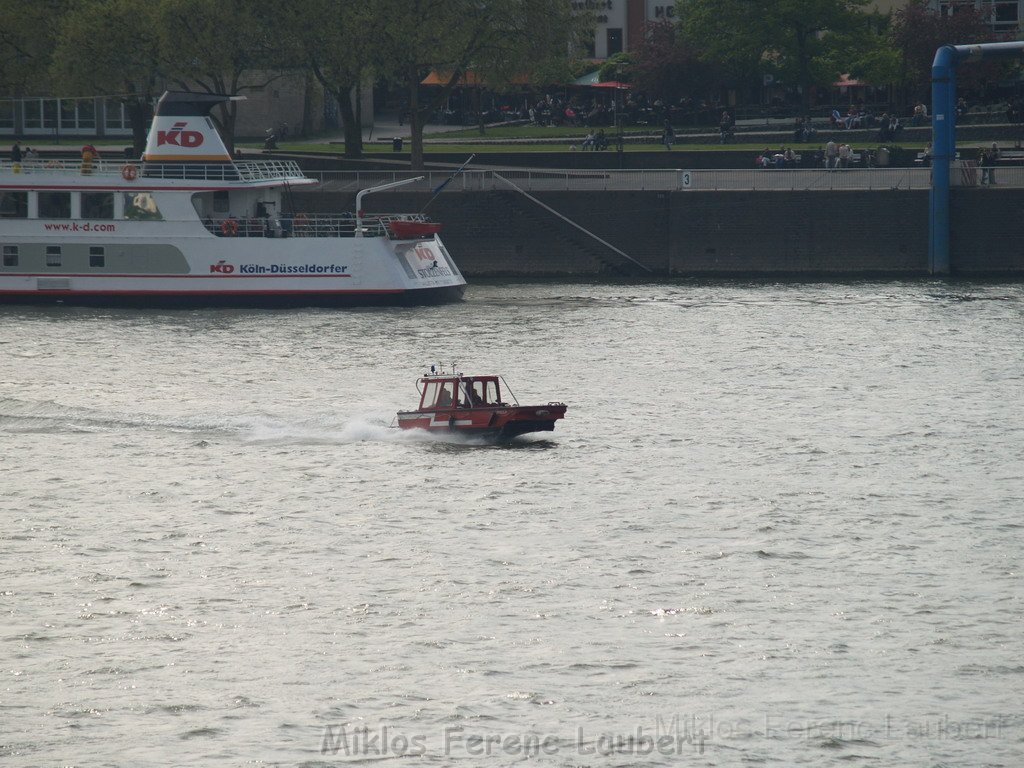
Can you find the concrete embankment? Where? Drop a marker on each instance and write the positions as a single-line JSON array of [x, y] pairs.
[[837, 233]]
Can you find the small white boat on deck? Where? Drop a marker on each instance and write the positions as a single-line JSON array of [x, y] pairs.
[[188, 225]]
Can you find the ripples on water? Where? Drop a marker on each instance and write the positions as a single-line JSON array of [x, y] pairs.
[[780, 525]]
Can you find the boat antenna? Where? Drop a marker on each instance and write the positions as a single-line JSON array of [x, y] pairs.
[[446, 182]]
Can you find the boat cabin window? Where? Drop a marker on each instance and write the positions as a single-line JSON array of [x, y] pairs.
[[97, 256], [443, 394], [53, 256], [97, 205], [54, 205], [483, 392], [10, 255], [141, 206], [13, 205], [446, 394], [221, 202]]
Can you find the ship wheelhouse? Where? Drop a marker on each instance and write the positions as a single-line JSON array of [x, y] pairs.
[[443, 393]]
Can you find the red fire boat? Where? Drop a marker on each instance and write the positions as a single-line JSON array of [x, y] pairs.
[[476, 406]]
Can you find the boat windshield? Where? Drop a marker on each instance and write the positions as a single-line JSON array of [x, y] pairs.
[[481, 392], [460, 393], [440, 394]]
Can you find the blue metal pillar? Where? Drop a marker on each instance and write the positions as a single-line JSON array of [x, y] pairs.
[[943, 141], [944, 137]]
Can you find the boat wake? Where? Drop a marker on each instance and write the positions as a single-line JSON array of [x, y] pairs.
[[49, 417], [354, 430]]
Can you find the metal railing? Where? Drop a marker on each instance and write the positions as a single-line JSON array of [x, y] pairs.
[[484, 181], [754, 179], [309, 225], [532, 180], [817, 179], [248, 170]]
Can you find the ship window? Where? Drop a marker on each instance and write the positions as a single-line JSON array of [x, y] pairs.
[[97, 258], [220, 202], [429, 393], [13, 205], [485, 392], [54, 205], [53, 256], [10, 255], [141, 206], [446, 395], [97, 205]]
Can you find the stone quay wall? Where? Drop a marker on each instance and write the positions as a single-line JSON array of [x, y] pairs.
[[695, 233]]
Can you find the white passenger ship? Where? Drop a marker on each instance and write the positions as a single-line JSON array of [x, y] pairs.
[[187, 225]]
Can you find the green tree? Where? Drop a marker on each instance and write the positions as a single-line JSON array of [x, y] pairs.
[[667, 67], [864, 51], [497, 39], [618, 67], [27, 35], [786, 36], [918, 31], [335, 40], [227, 47], [111, 48]]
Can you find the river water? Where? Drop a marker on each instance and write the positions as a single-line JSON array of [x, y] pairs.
[[780, 525]]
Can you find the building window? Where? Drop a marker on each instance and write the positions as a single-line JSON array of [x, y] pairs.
[[54, 205], [7, 115], [13, 205], [53, 256], [614, 41], [1005, 16], [77, 115], [10, 255], [97, 257], [97, 205], [41, 114], [116, 116]]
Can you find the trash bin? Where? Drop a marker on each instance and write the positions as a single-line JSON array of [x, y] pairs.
[[882, 157], [396, 144]]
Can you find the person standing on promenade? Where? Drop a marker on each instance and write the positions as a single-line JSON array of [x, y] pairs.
[[16, 157], [844, 155], [831, 155], [989, 157]]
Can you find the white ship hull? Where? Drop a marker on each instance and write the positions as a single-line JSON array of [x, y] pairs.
[[203, 269]]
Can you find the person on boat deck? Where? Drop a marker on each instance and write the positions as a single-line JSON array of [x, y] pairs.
[[89, 153]]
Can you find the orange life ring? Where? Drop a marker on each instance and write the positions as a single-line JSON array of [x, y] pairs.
[[229, 227], [129, 172]]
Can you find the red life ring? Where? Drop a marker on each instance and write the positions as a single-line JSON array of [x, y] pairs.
[[129, 172], [229, 227]]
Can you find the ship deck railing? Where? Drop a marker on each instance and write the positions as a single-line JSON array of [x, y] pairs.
[[309, 225], [240, 170]]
